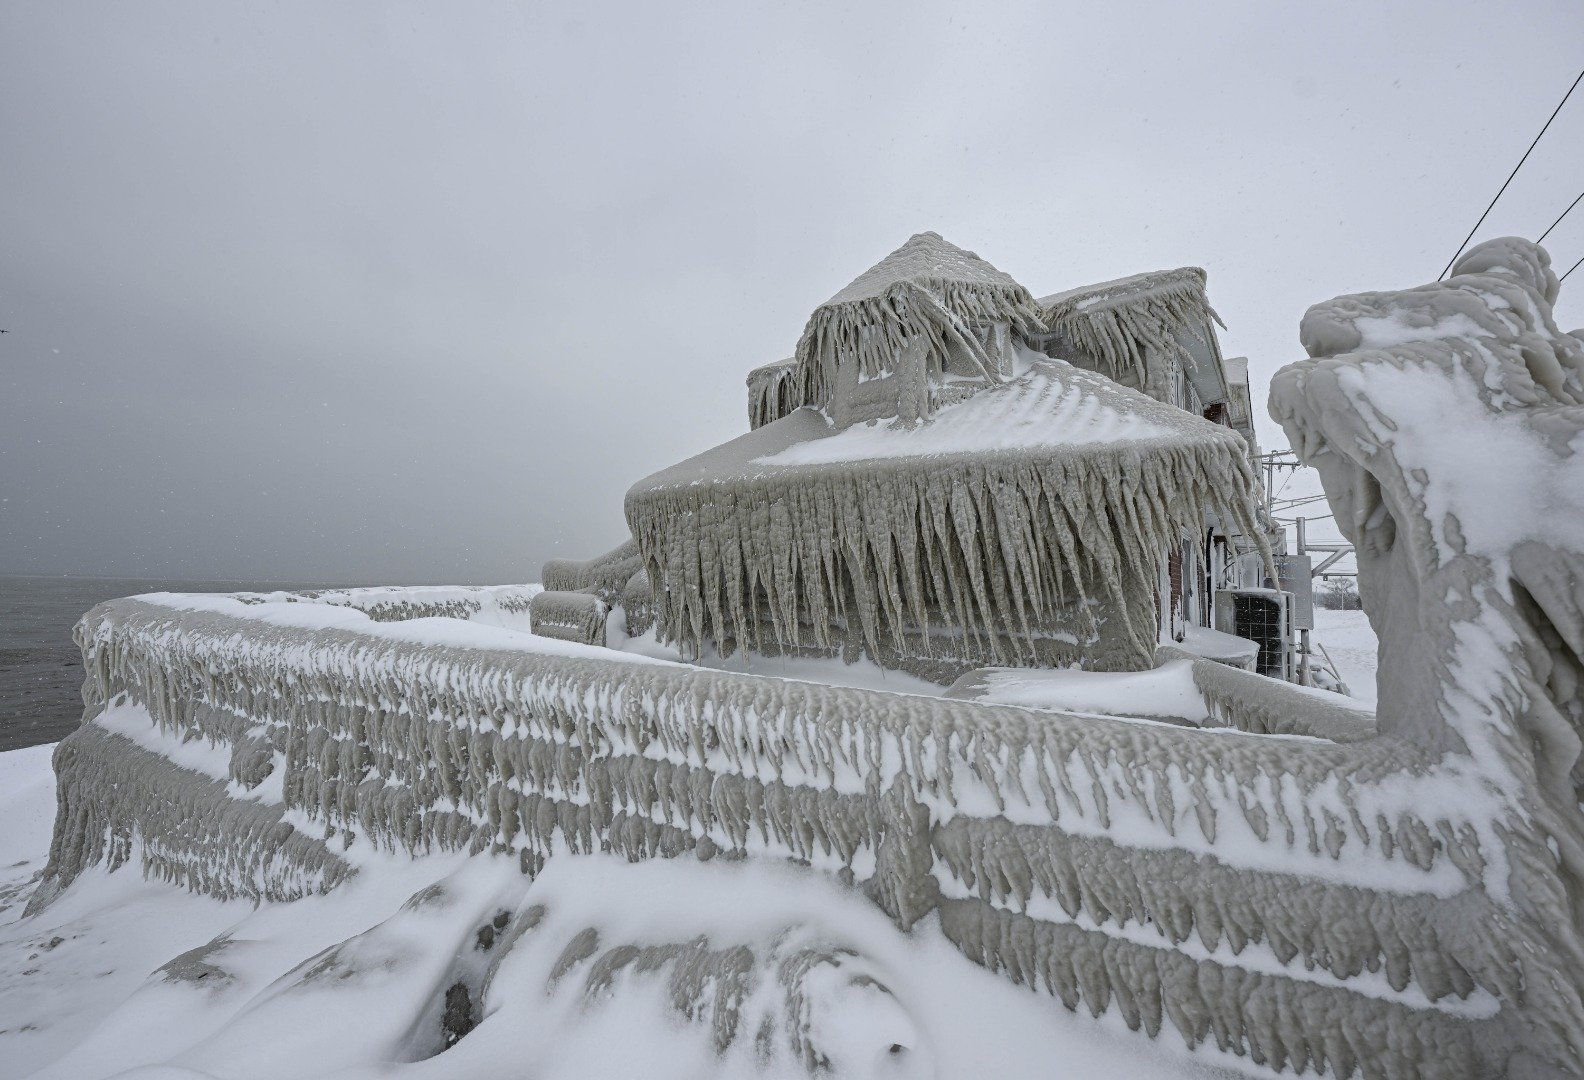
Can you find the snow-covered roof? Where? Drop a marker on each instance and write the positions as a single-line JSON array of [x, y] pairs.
[[1136, 329], [775, 369], [926, 289], [1052, 484], [1051, 406], [1123, 290], [772, 392], [928, 260]]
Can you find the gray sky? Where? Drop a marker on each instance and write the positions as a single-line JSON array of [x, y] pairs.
[[414, 293]]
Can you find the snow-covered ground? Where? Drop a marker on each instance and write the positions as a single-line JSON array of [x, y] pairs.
[[1350, 643], [88, 988]]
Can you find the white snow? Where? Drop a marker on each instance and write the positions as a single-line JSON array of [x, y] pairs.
[[1351, 645], [93, 1004], [1489, 470], [496, 605], [1047, 406], [1215, 645], [27, 808], [1168, 690], [456, 633], [1387, 331], [832, 671]]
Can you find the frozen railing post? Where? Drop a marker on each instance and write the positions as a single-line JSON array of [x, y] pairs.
[[1470, 572], [904, 882]]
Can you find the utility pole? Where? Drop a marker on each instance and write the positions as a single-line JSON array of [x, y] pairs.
[[1303, 632], [1270, 485], [1276, 459]]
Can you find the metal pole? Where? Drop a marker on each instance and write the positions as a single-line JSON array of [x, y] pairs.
[[1303, 634], [1270, 478]]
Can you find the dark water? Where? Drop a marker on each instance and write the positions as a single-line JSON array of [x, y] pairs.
[[41, 671]]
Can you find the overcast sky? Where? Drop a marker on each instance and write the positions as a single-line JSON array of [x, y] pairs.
[[378, 292]]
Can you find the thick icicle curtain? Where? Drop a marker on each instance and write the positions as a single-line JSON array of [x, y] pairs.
[[1129, 329], [926, 288], [993, 545], [772, 393]]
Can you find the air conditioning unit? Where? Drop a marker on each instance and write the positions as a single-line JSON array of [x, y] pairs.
[[1263, 616]]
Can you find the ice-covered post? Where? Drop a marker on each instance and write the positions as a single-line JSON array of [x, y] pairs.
[[1303, 632]]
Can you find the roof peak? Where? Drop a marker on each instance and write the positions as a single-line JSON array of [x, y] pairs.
[[925, 256]]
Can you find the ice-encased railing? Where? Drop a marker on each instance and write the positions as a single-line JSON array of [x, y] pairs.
[[1306, 902], [1445, 422]]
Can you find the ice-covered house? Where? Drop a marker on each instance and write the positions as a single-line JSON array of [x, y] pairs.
[[1311, 887], [949, 474]]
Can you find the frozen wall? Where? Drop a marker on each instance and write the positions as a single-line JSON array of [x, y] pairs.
[[1302, 900]]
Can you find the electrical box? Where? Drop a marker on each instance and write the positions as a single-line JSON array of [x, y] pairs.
[[1297, 579]]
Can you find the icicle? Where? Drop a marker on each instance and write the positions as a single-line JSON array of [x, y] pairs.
[[890, 548], [1129, 328]]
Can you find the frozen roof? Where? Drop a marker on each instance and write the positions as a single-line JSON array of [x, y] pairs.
[[1138, 329], [1123, 290], [772, 392], [927, 289], [1056, 483], [1052, 409], [1050, 406], [926, 259], [768, 370]]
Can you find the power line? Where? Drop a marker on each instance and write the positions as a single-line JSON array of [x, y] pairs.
[[1560, 216], [1575, 266], [1288, 504], [1283, 487], [1510, 176]]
